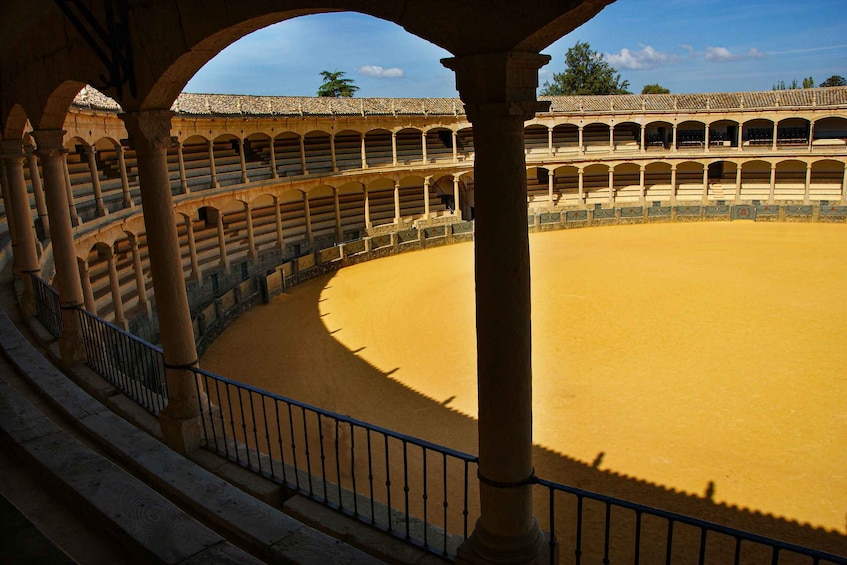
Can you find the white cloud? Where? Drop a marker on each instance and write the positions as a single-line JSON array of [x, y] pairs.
[[376, 71], [723, 55], [644, 58]]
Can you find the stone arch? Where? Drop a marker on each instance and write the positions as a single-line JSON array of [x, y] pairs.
[[826, 181], [658, 135], [289, 161], [348, 149], [627, 181], [755, 180], [595, 183], [793, 131], [565, 138], [411, 196], [409, 146], [536, 138], [757, 132], [316, 144], [378, 146], [15, 123], [691, 134], [439, 144], [723, 133], [657, 181], [627, 136], [596, 136], [351, 201], [689, 181], [566, 184], [830, 133]]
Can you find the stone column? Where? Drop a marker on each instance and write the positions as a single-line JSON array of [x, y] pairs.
[[808, 186], [773, 184], [303, 169], [675, 148], [364, 153], [244, 179], [183, 182], [337, 206], [705, 183], [455, 148], [280, 239], [367, 208], [115, 287], [150, 134], [87, 291], [550, 181], [498, 90], [127, 198], [641, 185], [580, 186], [775, 133], [396, 201], [581, 141], [196, 274], [307, 212], [549, 140], [673, 184], [25, 252], [427, 180], [275, 174], [91, 156], [811, 135], [707, 145], [251, 235], [53, 164], [738, 182], [611, 186], [75, 219], [224, 262], [844, 185], [38, 190], [457, 211], [213, 173], [394, 148], [332, 153], [423, 147], [644, 138], [611, 138], [140, 285], [740, 136]]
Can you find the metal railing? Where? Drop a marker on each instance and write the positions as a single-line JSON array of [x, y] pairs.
[[48, 310], [128, 362], [416, 490], [588, 527]]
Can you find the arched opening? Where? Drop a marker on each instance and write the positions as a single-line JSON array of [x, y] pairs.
[[411, 197], [627, 136], [827, 180], [378, 147], [830, 134], [409, 146], [757, 133], [257, 155], [439, 144], [537, 186], [263, 214], [566, 185], [755, 181], [691, 134], [289, 161], [464, 143], [721, 179], [791, 132], [627, 177], [566, 138], [596, 138], [689, 182], [351, 200], [348, 150], [657, 182], [723, 134], [292, 208], [322, 216], [381, 201], [790, 180], [316, 145], [595, 184], [535, 139], [658, 135]]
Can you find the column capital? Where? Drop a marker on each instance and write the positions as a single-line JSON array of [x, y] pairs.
[[149, 129], [50, 142], [499, 84], [88, 150], [12, 149]]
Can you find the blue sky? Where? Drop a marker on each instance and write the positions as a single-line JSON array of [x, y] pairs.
[[684, 45]]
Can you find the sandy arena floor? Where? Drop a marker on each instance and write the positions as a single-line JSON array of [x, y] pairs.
[[706, 359]]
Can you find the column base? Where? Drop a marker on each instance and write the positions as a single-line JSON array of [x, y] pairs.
[[483, 548], [181, 435]]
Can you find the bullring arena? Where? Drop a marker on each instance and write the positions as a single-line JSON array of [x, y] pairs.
[[358, 271]]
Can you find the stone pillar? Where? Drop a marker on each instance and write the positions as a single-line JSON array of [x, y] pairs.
[[396, 201], [550, 181], [775, 133], [423, 147], [367, 208], [364, 153], [706, 143], [280, 239], [427, 180], [611, 186], [127, 198], [183, 182], [457, 211], [394, 148], [332, 153], [580, 186], [581, 141], [307, 212], [196, 274], [140, 285], [675, 148], [611, 138], [549, 141], [773, 184], [213, 173], [87, 291], [738, 182], [455, 148], [115, 287], [224, 262], [641, 185], [705, 183], [251, 235], [337, 206], [26, 255], [38, 190], [303, 169], [740, 136], [844, 185], [811, 135], [806, 196], [91, 156], [244, 179], [673, 184], [644, 138], [498, 90], [150, 134], [69, 189], [53, 164], [275, 174]]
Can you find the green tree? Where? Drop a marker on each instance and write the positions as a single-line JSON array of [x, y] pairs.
[[835, 80], [808, 82], [335, 86], [586, 72], [654, 89]]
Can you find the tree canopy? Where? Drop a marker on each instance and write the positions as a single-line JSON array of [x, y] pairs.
[[808, 82], [335, 86], [835, 80], [586, 72], [654, 89]]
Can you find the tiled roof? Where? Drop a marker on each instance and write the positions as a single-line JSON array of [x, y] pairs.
[[239, 105]]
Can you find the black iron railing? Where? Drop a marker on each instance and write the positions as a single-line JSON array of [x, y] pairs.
[[586, 527], [128, 362], [423, 493], [47, 307]]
